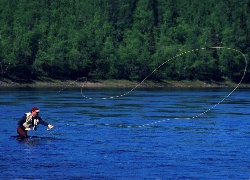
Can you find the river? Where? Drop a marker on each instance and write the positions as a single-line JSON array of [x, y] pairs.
[[146, 134]]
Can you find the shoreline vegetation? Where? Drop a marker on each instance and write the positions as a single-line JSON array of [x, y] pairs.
[[118, 39], [5, 83]]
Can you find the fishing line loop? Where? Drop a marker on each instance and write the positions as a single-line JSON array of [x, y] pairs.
[[170, 59]]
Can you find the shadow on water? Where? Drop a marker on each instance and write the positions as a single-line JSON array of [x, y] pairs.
[[35, 140]]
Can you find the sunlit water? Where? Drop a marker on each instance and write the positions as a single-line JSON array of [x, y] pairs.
[[149, 134]]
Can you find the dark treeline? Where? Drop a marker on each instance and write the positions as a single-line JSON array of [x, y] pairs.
[[123, 39]]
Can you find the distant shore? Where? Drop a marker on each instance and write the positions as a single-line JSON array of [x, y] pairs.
[[120, 84]]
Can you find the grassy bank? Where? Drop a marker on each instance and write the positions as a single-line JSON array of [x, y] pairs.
[[119, 84]]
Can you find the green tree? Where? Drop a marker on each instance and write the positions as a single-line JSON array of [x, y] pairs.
[[123, 39]]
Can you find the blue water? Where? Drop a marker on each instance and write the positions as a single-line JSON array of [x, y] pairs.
[[148, 134]]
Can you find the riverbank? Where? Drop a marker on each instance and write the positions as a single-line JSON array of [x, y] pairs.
[[119, 84]]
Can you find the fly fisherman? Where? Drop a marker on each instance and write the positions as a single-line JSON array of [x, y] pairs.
[[31, 120]]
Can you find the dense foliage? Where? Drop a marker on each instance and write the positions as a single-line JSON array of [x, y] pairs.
[[123, 39]]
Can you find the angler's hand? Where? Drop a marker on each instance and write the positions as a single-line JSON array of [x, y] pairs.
[[27, 129], [50, 127]]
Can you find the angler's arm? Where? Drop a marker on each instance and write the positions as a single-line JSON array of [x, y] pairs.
[[45, 124]]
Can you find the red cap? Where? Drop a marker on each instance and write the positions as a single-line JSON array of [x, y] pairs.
[[35, 109]]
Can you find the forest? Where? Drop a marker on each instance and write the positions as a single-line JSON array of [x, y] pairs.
[[124, 39]]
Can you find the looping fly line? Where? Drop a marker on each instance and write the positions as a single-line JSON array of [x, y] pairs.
[[175, 57]]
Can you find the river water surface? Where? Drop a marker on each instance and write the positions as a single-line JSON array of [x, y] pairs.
[[147, 134]]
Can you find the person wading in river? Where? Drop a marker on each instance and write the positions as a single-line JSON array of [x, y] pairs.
[[29, 120]]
